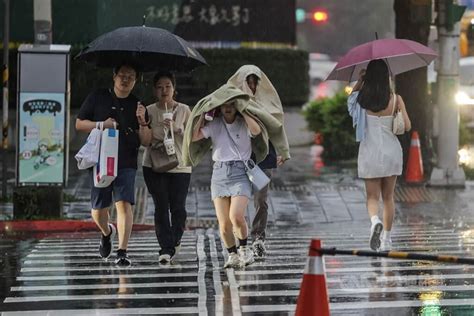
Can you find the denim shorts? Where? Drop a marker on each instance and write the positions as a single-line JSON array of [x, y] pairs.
[[123, 189], [229, 179]]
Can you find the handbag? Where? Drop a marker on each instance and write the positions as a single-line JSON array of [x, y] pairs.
[[88, 155], [163, 154], [398, 127], [160, 160], [105, 171], [255, 174]]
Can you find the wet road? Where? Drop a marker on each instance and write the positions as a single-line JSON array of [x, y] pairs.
[[63, 275]]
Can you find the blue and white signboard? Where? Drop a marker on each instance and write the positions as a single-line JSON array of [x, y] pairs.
[[41, 138]]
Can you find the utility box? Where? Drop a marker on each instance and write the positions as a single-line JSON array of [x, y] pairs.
[[43, 115]]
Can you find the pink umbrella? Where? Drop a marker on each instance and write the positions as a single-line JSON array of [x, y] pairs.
[[401, 55]]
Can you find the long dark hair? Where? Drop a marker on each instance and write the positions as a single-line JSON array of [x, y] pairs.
[[375, 92]]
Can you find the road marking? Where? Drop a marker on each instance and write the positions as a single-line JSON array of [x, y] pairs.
[[134, 296], [216, 275], [95, 245], [110, 268], [395, 304], [201, 274], [101, 286], [63, 262], [102, 276], [268, 308], [108, 312], [132, 251]]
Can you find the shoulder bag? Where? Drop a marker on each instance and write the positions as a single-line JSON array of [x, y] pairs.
[[256, 175], [398, 127], [163, 154]]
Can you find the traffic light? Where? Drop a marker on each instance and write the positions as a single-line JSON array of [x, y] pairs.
[[320, 16], [300, 15], [454, 14]]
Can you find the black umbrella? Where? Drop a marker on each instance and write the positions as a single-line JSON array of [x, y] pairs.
[[148, 48]]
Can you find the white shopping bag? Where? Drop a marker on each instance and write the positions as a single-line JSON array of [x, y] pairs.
[[88, 155], [106, 170]]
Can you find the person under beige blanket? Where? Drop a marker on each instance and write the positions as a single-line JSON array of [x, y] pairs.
[[253, 81], [272, 128]]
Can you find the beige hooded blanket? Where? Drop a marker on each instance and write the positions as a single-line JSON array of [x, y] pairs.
[[265, 94]]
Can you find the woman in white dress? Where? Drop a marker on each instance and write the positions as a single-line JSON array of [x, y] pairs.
[[371, 106]]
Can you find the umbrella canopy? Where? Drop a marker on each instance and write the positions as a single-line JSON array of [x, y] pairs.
[[401, 55], [148, 48]]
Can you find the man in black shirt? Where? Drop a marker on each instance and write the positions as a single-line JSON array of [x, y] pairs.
[[119, 106]]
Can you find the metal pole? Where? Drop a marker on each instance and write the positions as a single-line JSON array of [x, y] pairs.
[[43, 22], [447, 171], [394, 255], [6, 41]]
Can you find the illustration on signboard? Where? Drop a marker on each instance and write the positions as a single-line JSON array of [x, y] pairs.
[[41, 138]]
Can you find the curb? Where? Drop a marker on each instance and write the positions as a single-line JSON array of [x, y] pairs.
[[53, 226]]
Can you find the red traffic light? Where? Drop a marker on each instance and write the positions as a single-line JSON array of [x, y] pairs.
[[320, 16]]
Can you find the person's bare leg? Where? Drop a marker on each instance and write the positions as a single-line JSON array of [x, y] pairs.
[[222, 206], [124, 223], [238, 207], [101, 219], [388, 192], [373, 188]]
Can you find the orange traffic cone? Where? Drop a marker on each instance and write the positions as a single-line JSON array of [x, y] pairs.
[[414, 172], [313, 299]]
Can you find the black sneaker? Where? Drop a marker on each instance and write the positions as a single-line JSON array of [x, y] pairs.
[[106, 243], [259, 248], [122, 258]]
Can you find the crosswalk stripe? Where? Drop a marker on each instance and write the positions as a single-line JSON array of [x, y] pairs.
[[108, 312], [101, 286], [105, 276], [358, 269], [111, 268], [134, 296], [201, 277], [95, 245], [401, 303], [219, 297], [180, 258], [130, 251]]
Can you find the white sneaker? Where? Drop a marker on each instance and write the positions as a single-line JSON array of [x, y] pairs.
[[246, 255], [375, 232], [386, 244], [164, 258], [233, 261]]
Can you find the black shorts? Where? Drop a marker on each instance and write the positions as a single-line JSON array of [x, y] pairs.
[[123, 189]]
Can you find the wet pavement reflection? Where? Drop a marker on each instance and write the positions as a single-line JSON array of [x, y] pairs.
[[64, 274], [61, 274]]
